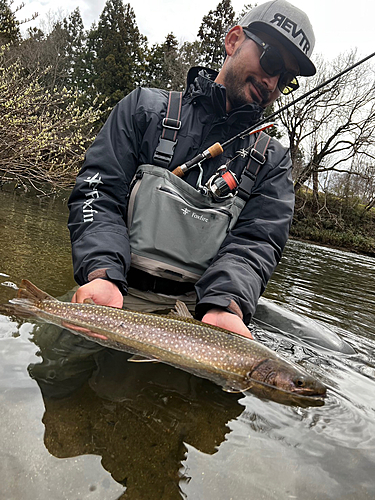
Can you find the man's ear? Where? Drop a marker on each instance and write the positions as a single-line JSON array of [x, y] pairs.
[[234, 38]]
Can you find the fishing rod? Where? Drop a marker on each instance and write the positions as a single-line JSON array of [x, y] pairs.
[[217, 148]]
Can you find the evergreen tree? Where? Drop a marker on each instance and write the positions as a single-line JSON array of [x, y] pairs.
[[75, 49], [190, 53], [212, 33], [245, 10], [116, 53], [9, 26], [166, 68]]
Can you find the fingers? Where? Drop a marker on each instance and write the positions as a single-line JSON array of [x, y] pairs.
[[228, 321], [101, 292]]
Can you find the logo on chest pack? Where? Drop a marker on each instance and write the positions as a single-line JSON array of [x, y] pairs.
[[291, 27], [186, 211]]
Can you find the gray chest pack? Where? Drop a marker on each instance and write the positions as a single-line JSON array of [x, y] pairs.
[[176, 230]]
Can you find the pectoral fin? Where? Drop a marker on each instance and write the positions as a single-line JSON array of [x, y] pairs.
[[228, 387], [137, 358]]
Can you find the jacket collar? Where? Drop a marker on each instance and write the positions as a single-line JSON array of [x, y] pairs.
[[212, 95]]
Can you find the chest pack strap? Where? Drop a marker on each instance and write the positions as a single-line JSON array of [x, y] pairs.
[[171, 125], [257, 158]]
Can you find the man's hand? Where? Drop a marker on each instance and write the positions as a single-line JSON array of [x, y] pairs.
[[102, 292], [227, 320]]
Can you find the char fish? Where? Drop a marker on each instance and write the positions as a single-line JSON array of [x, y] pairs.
[[232, 361]]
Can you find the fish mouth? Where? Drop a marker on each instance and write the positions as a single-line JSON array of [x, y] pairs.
[[303, 397], [307, 386], [320, 392]]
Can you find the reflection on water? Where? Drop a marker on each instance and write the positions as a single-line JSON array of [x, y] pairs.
[[34, 242], [324, 283], [137, 418], [79, 421]]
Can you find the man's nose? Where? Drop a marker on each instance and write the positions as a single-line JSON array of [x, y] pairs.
[[270, 82]]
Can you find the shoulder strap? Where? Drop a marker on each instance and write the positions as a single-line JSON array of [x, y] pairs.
[[171, 125], [257, 158]]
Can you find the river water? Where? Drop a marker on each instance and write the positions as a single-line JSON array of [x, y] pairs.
[[81, 422]]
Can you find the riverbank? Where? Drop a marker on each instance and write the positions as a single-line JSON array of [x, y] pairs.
[[335, 222]]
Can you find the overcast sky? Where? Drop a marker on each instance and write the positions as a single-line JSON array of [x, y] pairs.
[[338, 25]]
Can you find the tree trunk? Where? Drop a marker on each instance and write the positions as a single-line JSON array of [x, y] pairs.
[[315, 179]]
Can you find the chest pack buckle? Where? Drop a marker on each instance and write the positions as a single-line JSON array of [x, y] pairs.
[[257, 158], [171, 125]]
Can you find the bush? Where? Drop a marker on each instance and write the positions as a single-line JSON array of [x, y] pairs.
[[343, 223], [43, 135]]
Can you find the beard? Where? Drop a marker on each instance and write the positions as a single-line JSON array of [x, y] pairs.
[[235, 90]]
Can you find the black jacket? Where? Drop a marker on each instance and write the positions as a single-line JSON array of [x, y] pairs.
[[129, 138]]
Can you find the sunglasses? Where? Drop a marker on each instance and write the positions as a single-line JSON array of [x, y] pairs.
[[272, 63]]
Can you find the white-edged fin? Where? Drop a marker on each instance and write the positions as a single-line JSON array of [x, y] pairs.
[[181, 310], [137, 358], [228, 387]]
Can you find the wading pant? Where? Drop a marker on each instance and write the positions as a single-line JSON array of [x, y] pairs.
[[137, 300]]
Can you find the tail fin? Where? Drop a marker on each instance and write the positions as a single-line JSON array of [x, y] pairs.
[[26, 303], [29, 291]]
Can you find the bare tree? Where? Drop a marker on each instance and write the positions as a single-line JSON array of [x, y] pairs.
[[358, 183], [327, 131]]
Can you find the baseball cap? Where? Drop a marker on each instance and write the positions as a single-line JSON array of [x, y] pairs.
[[289, 25]]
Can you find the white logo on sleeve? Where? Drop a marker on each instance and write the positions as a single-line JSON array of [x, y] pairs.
[[87, 209]]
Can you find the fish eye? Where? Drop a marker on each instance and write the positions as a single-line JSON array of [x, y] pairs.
[[300, 382]]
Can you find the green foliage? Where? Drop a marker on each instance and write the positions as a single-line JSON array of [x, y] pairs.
[[212, 33], [75, 37], [190, 53], [9, 26], [166, 68], [115, 53], [244, 11]]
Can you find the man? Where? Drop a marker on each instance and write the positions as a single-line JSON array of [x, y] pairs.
[[270, 46]]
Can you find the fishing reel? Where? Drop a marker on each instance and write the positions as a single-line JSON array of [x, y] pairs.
[[223, 184]]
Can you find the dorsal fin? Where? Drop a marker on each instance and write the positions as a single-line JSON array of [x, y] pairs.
[[30, 291], [181, 310]]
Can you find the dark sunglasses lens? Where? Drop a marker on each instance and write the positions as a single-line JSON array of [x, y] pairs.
[[287, 83], [272, 62]]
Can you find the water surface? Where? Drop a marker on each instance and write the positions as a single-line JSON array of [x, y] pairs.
[[80, 422]]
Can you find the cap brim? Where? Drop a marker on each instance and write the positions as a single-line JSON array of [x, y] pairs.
[[306, 67]]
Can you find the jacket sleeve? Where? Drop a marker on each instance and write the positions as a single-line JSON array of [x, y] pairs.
[[97, 205], [249, 254]]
